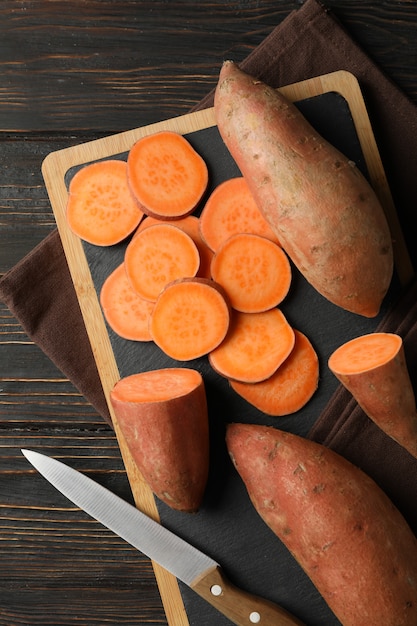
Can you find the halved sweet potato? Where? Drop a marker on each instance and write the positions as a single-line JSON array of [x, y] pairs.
[[163, 417]]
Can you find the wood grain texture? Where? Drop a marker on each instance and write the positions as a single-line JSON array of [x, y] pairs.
[[72, 71], [116, 57]]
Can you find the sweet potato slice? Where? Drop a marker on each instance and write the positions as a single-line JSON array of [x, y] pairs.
[[158, 255], [166, 175], [230, 210], [124, 310], [100, 207], [374, 369], [190, 225], [254, 271], [290, 387], [324, 212], [163, 417], [255, 346], [190, 319], [339, 525]]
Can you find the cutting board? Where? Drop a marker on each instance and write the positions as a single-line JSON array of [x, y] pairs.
[[226, 527]]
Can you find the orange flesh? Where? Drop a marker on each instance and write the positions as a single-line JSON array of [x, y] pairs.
[[230, 210], [101, 209], [190, 225], [125, 311], [290, 387], [190, 318], [365, 353], [156, 385], [166, 175], [257, 344], [158, 255], [254, 271]]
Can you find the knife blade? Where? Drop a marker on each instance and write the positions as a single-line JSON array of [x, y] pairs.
[[194, 568]]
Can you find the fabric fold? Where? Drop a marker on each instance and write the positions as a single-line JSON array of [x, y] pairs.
[[40, 294]]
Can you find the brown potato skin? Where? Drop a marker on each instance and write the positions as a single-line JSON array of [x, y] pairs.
[[169, 443], [339, 525], [324, 212], [385, 393]]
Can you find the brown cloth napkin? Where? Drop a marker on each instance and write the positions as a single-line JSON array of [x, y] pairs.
[[309, 42]]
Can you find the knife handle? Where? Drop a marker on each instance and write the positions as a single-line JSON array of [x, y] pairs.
[[242, 608]]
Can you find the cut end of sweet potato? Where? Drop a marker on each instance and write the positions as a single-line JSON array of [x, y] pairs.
[[365, 353], [374, 369], [166, 175], [157, 385]]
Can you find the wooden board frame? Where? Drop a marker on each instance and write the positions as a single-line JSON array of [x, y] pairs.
[[54, 169]]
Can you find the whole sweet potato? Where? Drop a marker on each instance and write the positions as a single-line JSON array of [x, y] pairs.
[[324, 212], [339, 525], [163, 417]]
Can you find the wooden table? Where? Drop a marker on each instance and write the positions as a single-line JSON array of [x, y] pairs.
[[70, 72]]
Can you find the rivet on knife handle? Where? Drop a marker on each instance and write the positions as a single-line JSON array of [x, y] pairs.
[[242, 608]]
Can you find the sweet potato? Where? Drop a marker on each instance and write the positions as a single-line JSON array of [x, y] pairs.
[[163, 417], [255, 346], [339, 525], [125, 311], [290, 387], [231, 210], [190, 225], [325, 214], [254, 271], [190, 318], [374, 369], [100, 207], [166, 175], [158, 255]]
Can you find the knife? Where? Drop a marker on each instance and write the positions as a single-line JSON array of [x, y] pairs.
[[184, 561]]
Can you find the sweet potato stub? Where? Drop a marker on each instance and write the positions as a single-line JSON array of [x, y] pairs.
[[164, 419], [365, 353]]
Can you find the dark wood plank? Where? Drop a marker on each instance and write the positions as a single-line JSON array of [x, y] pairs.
[[138, 62], [120, 58], [68, 569]]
